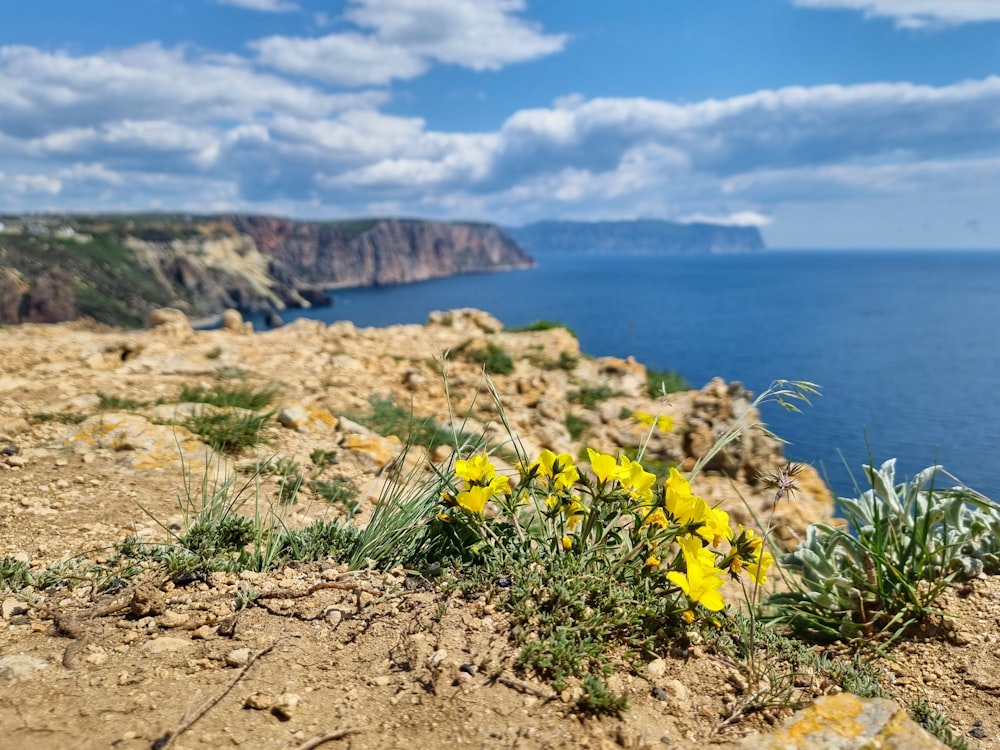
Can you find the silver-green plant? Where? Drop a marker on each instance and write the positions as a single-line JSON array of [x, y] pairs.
[[905, 543]]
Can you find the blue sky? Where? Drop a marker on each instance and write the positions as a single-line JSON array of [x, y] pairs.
[[828, 123]]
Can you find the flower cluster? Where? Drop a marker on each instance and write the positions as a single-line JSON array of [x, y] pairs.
[[481, 484], [618, 517]]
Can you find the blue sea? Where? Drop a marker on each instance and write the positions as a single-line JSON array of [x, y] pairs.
[[905, 345]]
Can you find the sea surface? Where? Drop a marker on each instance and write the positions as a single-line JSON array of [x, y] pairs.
[[905, 345]]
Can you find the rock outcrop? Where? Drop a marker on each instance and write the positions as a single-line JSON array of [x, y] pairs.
[[378, 252], [330, 377]]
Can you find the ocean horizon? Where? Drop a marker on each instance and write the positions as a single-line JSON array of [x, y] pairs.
[[905, 344]]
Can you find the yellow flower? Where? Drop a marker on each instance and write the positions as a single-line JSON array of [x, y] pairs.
[[702, 581], [606, 467], [474, 499], [653, 561], [656, 518], [662, 422], [758, 570], [716, 526], [640, 482], [499, 485], [682, 503], [559, 469], [567, 542], [575, 513], [475, 469]]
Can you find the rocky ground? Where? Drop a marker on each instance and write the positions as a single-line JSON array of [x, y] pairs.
[[385, 659]]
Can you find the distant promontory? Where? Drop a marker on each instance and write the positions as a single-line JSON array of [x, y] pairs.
[[643, 236], [117, 268]]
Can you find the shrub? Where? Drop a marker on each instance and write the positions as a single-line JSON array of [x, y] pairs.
[[589, 396], [542, 325], [494, 358], [881, 576], [575, 426], [387, 418], [661, 382]]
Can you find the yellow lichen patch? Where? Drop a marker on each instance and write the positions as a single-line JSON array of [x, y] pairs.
[[323, 417], [835, 713], [381, 449], [145, 445], [302, 419]]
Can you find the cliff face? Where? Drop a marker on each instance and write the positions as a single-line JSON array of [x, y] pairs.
[[378, 252], [116, 269], [646, 236]]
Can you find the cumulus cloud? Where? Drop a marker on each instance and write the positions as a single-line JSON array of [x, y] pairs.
[[127, 127], [21, 184], [400, 39], [267, 6], [39, 87], [917, 13], [343, 59], [767, 129]]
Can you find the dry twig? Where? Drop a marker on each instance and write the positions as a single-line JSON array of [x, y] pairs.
[[329, 737], [164, 742]]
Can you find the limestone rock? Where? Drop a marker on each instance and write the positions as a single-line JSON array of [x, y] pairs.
[[303, 419], [381, 450], [19, 666], [166, 644], [232, 320], [141, 444], [170, 321], [465, 317], [846, 722]]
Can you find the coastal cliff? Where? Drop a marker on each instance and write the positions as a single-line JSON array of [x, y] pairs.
[[117, 269], [378, 252], [636, 237]]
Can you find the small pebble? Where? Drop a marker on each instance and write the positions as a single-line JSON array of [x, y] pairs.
[[656, 668], [173, 619], [238, 657], [285, 706], [258, 701]]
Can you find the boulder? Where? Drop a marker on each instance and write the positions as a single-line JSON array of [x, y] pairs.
[[169, 320]]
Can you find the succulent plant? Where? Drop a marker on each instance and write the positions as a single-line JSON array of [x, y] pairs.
[[903, 543]]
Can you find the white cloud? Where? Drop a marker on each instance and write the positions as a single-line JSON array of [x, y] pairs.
[[736, 219], [267, 6], [402, 38], [766, 129], [38, 87], [343, 59], [482, 35], [124, 128], [21, 184], [917, 13]]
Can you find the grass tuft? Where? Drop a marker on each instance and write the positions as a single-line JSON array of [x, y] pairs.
[[230, 431], [661, 382], [242, 397], [542, 325]]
